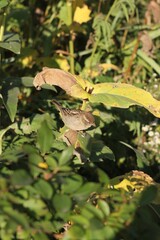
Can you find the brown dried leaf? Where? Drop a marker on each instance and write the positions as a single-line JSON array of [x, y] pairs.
[[147, 43], [62, 79], [153, 12], [53, 76], [71, 137]]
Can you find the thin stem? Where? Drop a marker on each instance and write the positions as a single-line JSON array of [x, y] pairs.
[[111, 9], [99, 6], [71, 50], [93, 52], [2, 27], [71, 41], [150, 205]]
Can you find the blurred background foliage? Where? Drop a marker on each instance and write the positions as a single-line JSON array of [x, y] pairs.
[[46, 191]]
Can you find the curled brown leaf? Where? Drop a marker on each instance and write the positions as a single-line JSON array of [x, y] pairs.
[[65, 80], [153, 12], [54, 76], [147, 43]]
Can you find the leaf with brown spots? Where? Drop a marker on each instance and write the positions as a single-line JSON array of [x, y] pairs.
[[119, 95]]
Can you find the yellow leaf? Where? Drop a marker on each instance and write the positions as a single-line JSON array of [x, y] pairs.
[[119, 95], [27, 61], [82, 89], [63, 63], [78, 92], [28, 57], [92, 72], [124, 184], [81, 15], [98, 69], [43, 165], [107, 66], [124, 95], [96, 113], [88, 86]]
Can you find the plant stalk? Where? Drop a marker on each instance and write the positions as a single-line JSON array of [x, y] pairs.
[[2, 27], [71, 50], [71, 41]]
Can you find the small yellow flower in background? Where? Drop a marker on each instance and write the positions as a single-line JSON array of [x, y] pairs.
[[81, 15]]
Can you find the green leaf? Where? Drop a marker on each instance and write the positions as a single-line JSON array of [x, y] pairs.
[[83, 192], [80, 220], [85, 141], [36, 205], [10, 100], [34, 160], [17, 217], [62, 203], [103, 205], [72, 183], [141, 159], [66, 156], [49, 87], [3, 3], [148, 195], [21, 177], [22, 234], [36, 121], [64, 14], [96, 226], [109, 232], [102, 176], [113, 100], [39, 118], [149, 61], [96, 212], [40, 236], [74, 231], [27, 81], [2, 132], [29, 149], [44, 189], [46, 226], [45, 137], [11, 42], [101, 152], [51, 162]]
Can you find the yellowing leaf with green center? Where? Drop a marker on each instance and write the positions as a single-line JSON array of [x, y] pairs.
[[124, 95], [119, 95], [81, 15], [82, 88]]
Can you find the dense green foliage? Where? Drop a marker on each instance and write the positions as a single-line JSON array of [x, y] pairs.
[[46, 191]]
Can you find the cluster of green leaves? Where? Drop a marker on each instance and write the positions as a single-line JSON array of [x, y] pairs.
[[43, 185]]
